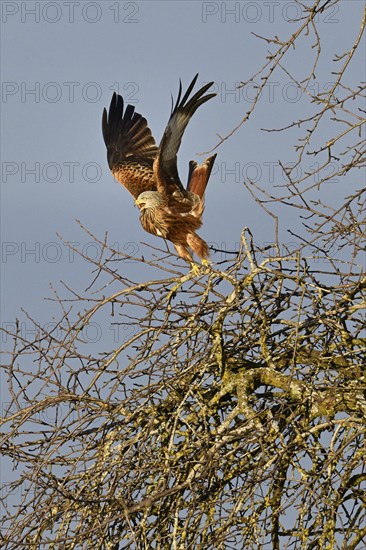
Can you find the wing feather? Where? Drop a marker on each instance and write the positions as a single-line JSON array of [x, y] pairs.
[[131, 148], [165, 165]]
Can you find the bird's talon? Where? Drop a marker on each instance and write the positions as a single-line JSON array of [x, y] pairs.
[[195, 269]]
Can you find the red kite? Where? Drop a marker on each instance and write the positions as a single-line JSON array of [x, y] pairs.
[[150, 173]]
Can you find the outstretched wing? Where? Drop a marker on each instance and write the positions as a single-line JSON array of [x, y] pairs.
[[131, 148], [165, 166]]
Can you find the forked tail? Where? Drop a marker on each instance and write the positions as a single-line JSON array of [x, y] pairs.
[[198, 176]]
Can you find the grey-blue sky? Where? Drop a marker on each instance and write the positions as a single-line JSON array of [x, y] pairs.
[[73, 54]]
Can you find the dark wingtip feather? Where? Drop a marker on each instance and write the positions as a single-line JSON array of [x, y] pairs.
[[105, 126], [192, 104], [183, 110], [178, 97], [126, 134]]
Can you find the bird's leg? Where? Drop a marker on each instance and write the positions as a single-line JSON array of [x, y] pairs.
[[205, 263]]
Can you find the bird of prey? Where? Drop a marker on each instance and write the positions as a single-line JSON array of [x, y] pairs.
[[150, 173]]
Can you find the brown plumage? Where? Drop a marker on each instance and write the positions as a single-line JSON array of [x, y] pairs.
[[150, 173]]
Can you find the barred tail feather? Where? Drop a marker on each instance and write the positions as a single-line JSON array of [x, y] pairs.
[[199, 175]]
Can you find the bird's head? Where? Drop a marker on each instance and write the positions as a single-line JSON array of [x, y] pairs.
[[149, 199]]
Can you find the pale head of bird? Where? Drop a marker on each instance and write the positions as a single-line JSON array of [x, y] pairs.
[[149, 199]]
